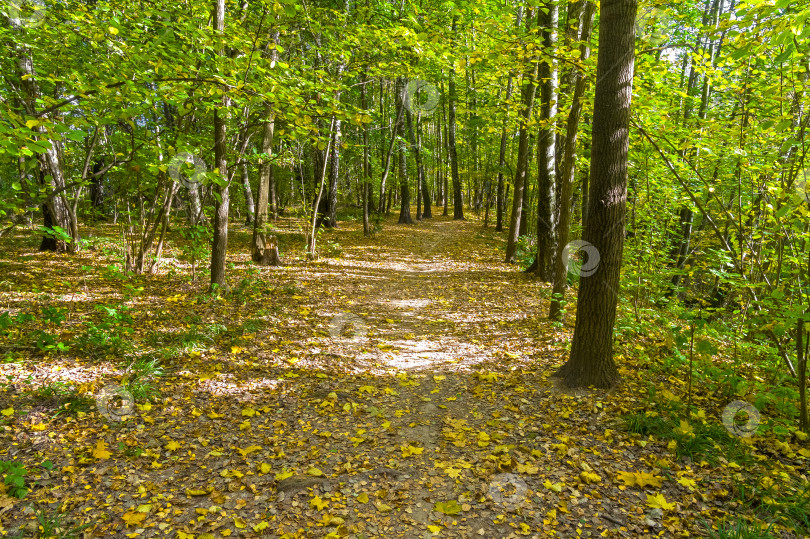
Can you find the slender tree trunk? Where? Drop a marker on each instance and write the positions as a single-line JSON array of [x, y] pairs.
[[521, 169], [500, 203], [546, 143], [334, 159], [366, 165], [446, 156], [259, 240], [568, 172], [222, 202], [251, 208], [387, 164], [801, 362], [405, 194], [420, 165], [591, 360], [458, 202]]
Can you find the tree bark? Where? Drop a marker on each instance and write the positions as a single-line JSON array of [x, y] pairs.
[[334, 171], [266, 181], [546, 143], [404, 192], [591, 360], [366, 165], [527, 99], [251, 207], [568, 172], [222, 202], [458, 202]]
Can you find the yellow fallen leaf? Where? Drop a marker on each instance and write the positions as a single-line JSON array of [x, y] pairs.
[[265, 468], [133, 519], [315, 472], [100, 452], [434, 529], [383, 508], [590, 477], [556, 487], [363, 498], [684, 429], [173, 446], [527, 468], [639, 479], [688, 483], [250, 449], [284, 475], [196, 492], [318, 503], [408, 450], [248, 412], [669, 395], [658, 500], [8, 411], [239, 523], [261, 526]]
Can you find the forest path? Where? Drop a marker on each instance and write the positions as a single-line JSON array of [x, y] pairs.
[[397, 387]]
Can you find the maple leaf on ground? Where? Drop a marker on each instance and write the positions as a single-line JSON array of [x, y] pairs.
[[133, 518], [100, 451], [408, 450], [448, 508], [248, 450], [639, 479], [658, 501]]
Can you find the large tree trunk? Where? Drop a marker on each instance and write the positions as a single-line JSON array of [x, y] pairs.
[[568, 172], [591, 360], [527, 99], [222, 203], [458, 202], [546, 143]]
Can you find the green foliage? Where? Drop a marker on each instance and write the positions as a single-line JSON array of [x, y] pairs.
[[108, 336], [13, 474], [141, 376], [195, 248], [740, 529]]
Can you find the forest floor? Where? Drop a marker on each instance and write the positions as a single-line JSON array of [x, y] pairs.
[[400, 387]]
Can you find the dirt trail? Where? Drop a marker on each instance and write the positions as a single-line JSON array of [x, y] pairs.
[[399, 389]]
